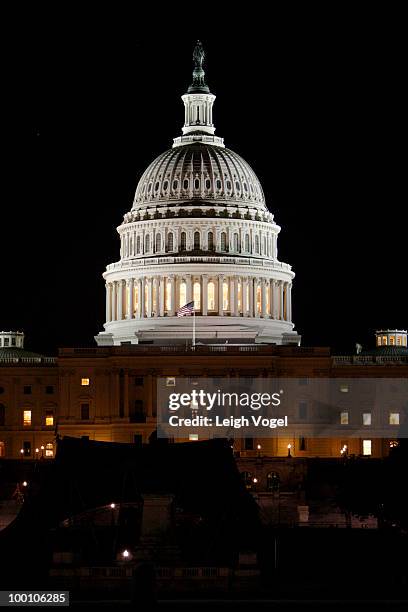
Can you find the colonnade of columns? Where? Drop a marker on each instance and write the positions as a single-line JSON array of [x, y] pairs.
[[222, 295]]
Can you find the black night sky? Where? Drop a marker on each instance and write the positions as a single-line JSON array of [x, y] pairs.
[[317, 112]]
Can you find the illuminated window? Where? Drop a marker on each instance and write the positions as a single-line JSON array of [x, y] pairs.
[[167, 300], [146, 298], [392, 340], [85, 382], [225, 296], [379, 341], [193, 437], [399, 340], [182, 294], [247, 293], [197, 295], [239, 296], [49, 418], [258, 299], [384, 340], [135, 298], [211, 296], [344, 389], [268, 304], [49, 450], [155, 291], [344, 418], [27, 418], [394, 418], [367, 448], [366, 418]]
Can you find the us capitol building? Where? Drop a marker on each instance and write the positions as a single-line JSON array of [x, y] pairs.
[[199, 230]]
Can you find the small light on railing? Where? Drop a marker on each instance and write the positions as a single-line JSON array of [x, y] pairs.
[[126, 554], [113, 506]]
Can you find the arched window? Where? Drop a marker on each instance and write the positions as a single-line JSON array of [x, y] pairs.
[[210, 241], [247, 243], [197, 295], [264, 245], [257, 244], [182, 294], [196, 240], [236, 243], [223, 241], [196, 183], [158, 243], [225, 295], [208, 184], [147, 243], [170, 241], [2, 414], [273, 481], [185, 184], [211, 295], [138, 244], [183, 241]]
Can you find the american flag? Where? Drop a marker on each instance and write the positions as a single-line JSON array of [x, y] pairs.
[[186, 310]]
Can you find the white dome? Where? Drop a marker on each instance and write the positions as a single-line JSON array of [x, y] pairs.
[[199, 173]]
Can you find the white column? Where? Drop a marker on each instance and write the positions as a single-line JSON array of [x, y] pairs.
[[139, 298], [113, 301], [244, 284], [149, 296], [189, 291], [220, 288], [281, 301], [236, 309], [251, 296], [290, 302], [108, 302], [255, 292], [263, 297], [275, 299], [271, 301], [231, 296], [204, 295], [173, 295], [129, 286], [142, 298], [120, 300], [162, 287]]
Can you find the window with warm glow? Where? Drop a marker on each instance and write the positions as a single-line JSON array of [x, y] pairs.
[[344, 418], [258, 299], [146, 299], [392, 340], [182, 294], [384, 340], [394, 418], [239, 296], [155, 291], [85, 382], [225, 296], [193, 437], [197, 295], [366, 418], [211, 296], [49, 450], [379, 341], [27, 418], [49, 418], [135, 298], [367, 447], [268, 305]]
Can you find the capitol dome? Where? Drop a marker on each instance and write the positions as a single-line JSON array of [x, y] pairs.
[[203, 173], [199, 233]]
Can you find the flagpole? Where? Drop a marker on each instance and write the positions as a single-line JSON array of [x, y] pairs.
[[193, 326]]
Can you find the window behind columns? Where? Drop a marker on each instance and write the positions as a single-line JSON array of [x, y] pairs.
[[158, 243], [236, 243], [147, 243], [223, 241], [183, 241], [170, 241], [196, 240], [138, 244], [247, 243], [197, 295], [211, 295]]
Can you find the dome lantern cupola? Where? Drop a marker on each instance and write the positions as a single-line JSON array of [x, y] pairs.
[[198, 107]]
